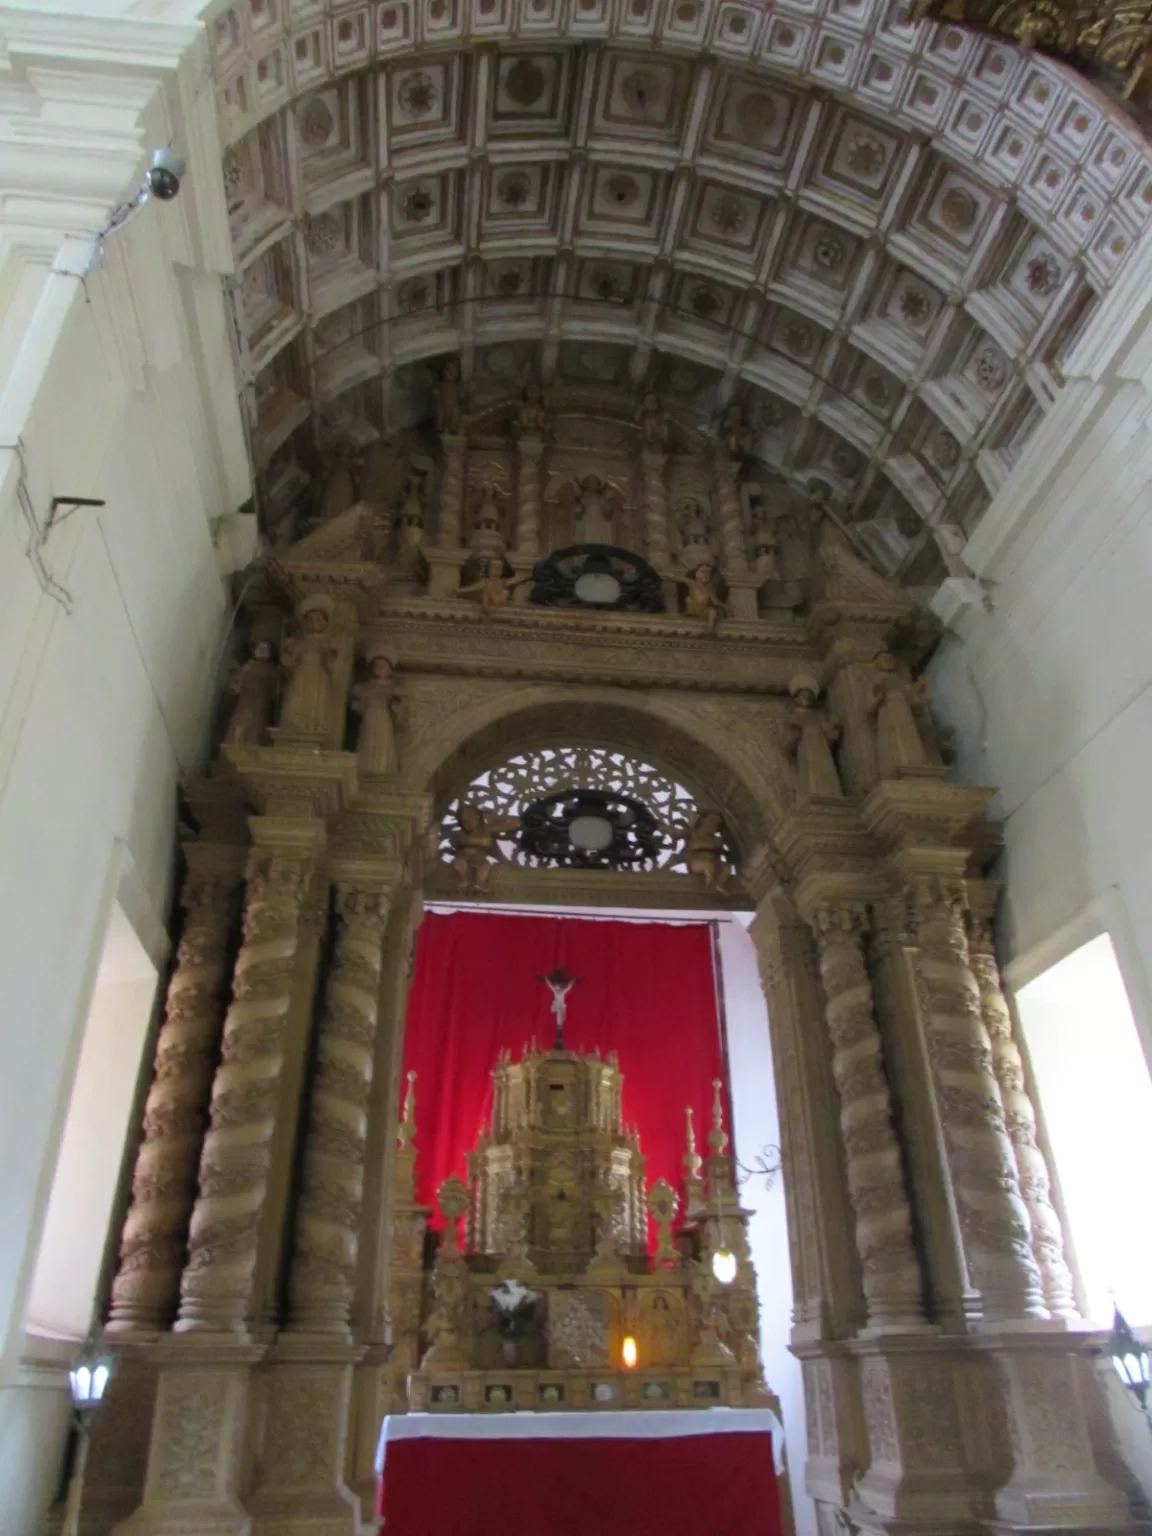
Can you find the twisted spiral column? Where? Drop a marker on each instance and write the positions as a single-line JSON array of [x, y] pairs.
[[217, 1286], [728, 510], [451, 519], [891, 1271], [147, 1284], [994, 1225], [528, 498], [327, 1231], [652, 462], [1020, 1122]]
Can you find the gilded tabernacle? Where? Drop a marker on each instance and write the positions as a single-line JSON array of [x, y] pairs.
[[555, 1296]]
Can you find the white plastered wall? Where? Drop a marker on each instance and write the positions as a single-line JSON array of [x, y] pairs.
[[1047, 682], [118, 387]]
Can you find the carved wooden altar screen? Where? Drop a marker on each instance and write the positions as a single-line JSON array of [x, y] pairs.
[[568, 574]]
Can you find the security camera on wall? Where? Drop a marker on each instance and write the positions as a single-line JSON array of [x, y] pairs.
[[164, 174]]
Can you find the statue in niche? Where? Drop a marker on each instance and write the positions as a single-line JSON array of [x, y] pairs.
[[701, 596], [309, 658], [494, 589], [766, 565], [894, 706], [339, 489], [692, 523], [652, 422], [734, 434], [593, 516], [372, 701], [410, 562], [475, 846], [487, 538], [811, 737], [448, 412], [532, 416], [253, 686], [704, 851]]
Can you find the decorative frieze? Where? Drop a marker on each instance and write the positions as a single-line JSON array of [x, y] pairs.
[[146, 1288], [328, 1222]]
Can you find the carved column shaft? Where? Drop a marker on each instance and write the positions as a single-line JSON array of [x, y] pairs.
[[653, 461], [1020, 1122], [451, 519], [323, 1272], [147, 1285], [217, 1290], [991, 1215], [892, 1284], [825, 1280], [528, 499], [728, 509]]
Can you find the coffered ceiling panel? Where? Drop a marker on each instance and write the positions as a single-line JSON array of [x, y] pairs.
[[880, 237]]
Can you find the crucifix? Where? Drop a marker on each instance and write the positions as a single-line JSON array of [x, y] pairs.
[[559, 983]]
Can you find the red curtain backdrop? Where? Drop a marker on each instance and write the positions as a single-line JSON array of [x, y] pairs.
[[647, 992]]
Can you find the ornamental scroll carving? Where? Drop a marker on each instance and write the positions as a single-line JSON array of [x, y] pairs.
[[234, 1167], [892, 1286]]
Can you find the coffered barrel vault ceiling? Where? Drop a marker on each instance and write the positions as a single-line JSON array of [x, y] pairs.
[[882, 238]]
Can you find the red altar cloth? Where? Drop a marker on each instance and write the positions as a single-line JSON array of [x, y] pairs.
[[665, 1473]]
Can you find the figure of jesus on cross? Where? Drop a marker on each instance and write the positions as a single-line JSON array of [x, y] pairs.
[[559, 983]]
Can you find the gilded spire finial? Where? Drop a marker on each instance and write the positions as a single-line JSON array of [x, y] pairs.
[[693, 1162], [717, 1136], [407, 1127]]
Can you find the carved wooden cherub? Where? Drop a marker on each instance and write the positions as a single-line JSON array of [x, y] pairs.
[[309, 658], [475, 846], [372, 700], [701, 596], [704, 851], [811, 736], [254, 687], [894, 706], [494, 589]]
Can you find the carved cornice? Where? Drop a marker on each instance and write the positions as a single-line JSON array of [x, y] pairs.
[[293, 779], [646, 651], [592, 888], [923, 824]]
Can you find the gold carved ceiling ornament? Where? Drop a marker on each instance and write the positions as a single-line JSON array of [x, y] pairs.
[[879, 237]]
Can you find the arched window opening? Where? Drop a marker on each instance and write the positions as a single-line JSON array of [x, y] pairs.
[[580, 808]]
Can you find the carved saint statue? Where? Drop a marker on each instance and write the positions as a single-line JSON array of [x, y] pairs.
[[895, 705], [474, 846], [734, 434], [254, 688], [701, 599], [410, 560], [692, 521], [494, 589], [487, 538], [532, 415], [704, 851], [810, 744], [372, 701], [652, 422], [308, 659], [592, 512], [448, 413], [766, 566]]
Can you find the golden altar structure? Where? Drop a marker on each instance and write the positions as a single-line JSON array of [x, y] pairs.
[[553, 1299]]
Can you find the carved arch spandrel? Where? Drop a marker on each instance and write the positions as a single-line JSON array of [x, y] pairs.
[[725, 750]]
